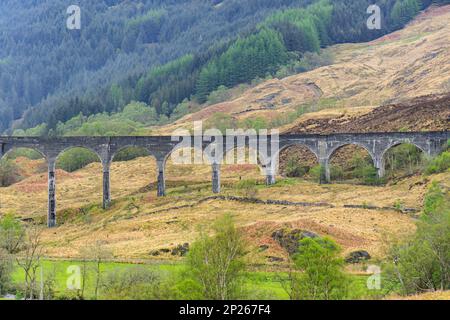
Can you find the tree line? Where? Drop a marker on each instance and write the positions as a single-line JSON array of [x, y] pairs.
[[43, 65]]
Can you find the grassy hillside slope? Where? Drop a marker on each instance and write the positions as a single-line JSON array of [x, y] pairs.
[[408, 63], [405, 64], [139, 223]]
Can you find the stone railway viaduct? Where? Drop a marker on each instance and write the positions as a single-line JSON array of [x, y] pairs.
[[161, 147]]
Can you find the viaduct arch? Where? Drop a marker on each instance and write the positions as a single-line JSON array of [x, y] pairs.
[[161, 147]]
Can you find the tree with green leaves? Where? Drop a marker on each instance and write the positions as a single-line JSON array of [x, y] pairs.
[[9, 172], [403, 11], [12, 233], [216, 263], [318, 271], [421, 262]]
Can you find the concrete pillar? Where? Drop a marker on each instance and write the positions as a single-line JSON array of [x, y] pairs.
[[324, 161], [161, 179], [270, 179], [216, 178], [325, 175], [51, 217], [270, 176], [380, 166], [106, 186]]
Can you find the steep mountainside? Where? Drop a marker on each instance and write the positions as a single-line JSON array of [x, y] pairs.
[[40, 59], [163, 53], [409, 63]]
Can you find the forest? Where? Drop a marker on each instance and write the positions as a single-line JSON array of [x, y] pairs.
[[163, 54]]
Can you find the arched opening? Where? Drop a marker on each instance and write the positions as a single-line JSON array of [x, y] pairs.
[[298, 161], [23, 182], [19, 164], [78, 178], [352, 164], [403, 159], [187, 171], [133, 169]]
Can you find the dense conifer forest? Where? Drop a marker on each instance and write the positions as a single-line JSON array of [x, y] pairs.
[[161, 53]]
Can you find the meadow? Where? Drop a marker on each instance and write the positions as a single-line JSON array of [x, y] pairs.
[[258, 284]]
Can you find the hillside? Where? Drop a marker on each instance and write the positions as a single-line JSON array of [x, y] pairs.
[[139, 224], [172, 56], [42, 64], [407, 64], [397, 71]]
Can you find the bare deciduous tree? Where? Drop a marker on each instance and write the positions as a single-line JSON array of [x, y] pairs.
[[6, 268], [30, 260], [98, 253]]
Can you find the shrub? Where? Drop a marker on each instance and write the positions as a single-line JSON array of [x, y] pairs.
[[11, 234], [421, 262], [24, 152], [221, 121], [9, 173], [215, 263], [247, 188], [257, 123], [75, 159], [336, 173], [439, 164], [134, 283], [6, 269], [321, 275], [294, 169], [405, 158], [316, 172], [369, 176], [130, 153], [221, 94], [309, 61]]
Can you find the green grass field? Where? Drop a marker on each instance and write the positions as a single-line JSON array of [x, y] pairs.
[[258, 284]]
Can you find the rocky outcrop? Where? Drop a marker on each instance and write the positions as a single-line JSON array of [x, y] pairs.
[[358, 256], [289, 239], [181, 250]]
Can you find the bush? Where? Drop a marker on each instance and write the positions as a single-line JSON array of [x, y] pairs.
[[6, 269], [309, 61], [130, 153], [215, 263], [421, 262], [134, 283], [257, 123], [321, 275], [369, 176], [294, 169], [221, 121], [336, 173], [439, 164], [9, 173], [11, 234], [404, 159], [221, 94], [316, 172], [24, 152], [247, 188], [75, 159]]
